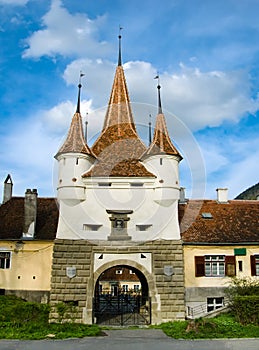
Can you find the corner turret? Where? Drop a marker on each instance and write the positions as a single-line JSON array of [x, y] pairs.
[[74, 158], [162, 158]]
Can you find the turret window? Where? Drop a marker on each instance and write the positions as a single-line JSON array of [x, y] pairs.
[[161, 161], [77, 161]]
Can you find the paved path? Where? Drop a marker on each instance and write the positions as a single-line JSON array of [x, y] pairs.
[[131, 340]]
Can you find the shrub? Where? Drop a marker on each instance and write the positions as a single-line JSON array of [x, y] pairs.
[[243, 294]]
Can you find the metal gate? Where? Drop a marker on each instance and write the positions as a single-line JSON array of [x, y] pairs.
[[123, 309]]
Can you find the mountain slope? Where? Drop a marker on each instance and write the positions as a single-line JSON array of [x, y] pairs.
[[250, 193]]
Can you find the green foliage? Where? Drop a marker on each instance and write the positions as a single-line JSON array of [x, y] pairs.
[[243, 286], [246, 309], [223, 326], [243, 294], [24, 320], [66, 311]]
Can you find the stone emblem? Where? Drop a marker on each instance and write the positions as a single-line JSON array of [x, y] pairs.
[[71, 271]]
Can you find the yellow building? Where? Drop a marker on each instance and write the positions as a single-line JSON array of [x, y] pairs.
[[221, 240], [27, 232]]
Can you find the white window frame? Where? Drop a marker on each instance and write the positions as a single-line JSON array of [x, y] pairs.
[[5, 261], [257, 264], [214, 265], [214, 303], [125, 287], [136, 288]]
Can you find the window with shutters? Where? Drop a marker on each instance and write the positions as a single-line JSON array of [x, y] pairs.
[[254, 265], [215, 266]]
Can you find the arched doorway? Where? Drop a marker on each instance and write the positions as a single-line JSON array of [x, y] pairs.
[[121, 297]]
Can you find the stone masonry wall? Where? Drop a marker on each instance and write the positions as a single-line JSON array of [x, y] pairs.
[[167, 292]]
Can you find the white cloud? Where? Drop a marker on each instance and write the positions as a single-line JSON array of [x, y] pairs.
[[14, 2], [66, 34], [199, 99]]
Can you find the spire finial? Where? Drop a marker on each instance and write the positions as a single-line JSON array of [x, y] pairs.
[[149, 130], [119, 58], [79, 92], [86, 126], [159, 96]]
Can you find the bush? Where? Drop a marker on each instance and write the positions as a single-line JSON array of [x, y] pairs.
[[246, 308], [243, 294]]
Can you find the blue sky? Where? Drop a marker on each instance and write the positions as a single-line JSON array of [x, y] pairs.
[[207, 56]]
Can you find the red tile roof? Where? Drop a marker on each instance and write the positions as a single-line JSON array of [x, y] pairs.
[[12, 219], [161, 143], [233, 222], [75, 141], [118, 148]]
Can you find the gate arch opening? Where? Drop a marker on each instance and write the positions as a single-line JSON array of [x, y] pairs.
[[121, 297]]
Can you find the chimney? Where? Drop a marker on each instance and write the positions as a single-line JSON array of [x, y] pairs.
[[30, 213], [222, 195], [8, 189], [182, 199]]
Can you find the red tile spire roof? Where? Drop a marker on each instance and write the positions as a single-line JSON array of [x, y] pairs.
[[119, 148], [161, 143], [75, 141]]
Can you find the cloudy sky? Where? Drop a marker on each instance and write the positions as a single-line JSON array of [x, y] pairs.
[[205, 51]]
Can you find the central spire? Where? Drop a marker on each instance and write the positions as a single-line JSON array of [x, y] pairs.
[[119, 148], [119, 58], [118, 123]]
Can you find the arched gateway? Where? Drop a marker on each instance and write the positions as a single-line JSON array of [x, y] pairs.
[[118, 207], [121, 297]]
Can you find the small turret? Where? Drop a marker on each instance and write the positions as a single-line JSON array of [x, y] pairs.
[[162, 158], [74, 158]]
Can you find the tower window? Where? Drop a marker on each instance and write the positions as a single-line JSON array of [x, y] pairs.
[[77, 161], [161, 161], [91, 227], [144, 227]]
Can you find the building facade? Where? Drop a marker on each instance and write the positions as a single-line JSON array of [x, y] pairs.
[[119, 208]]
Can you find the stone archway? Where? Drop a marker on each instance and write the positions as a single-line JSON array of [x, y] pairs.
[[121, 296]]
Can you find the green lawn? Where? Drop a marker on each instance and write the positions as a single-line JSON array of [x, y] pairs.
[[223, 326], [25, 320]]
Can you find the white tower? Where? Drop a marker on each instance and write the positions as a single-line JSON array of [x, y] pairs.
[[74, 158], [162, 159]]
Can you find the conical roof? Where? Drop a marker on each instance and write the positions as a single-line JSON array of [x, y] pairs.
[[75, 141], [119, 148], [119, 123], [161, 143]]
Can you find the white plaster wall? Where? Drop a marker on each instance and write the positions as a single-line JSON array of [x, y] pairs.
[[119, 196], [84, 202], [167, 173], [70, 169]]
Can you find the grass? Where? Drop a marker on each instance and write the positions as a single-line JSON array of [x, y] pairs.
[[24, 320], [222, 326]]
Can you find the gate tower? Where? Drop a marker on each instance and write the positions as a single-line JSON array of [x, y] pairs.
[[118, 203]]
